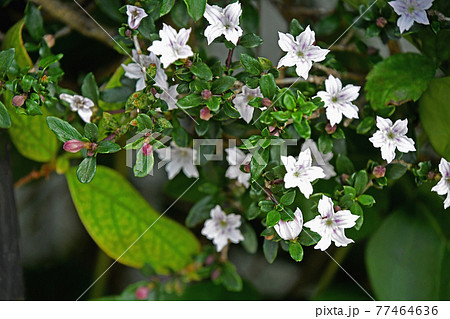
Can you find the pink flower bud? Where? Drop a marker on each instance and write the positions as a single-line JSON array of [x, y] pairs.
[[205, 114], [337, 208], [18, 100], [206, 94], [128, 33], [50, 40], [215, 274], [330, 129], [266, 102], [74, 146], [209, 260], [147, 149], [431, 175], [379, 171], [381, 22], [188, 63], [142, 293]]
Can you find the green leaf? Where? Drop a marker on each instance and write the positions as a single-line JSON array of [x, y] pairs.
[[166, 6], [259, 162], [13, 39], [344, 165], [89, 88], [252, 212], [361, 181], [63, 130], [268, 85], [325, 143], [434, 108], [196, 8], [5, 119], [302, 127], [308, 237], [200, 211], [396, 170], [144, 164], [49, 60], [366, 200], [250, 242], [31, 135], [230, 278], [348, 190], [34, 22], [365, 125], [296, 251], [107, 147], [270, 249], [288, 198], [116, 216], [190, 101], [222, 84], [6, 58], [202, 71], [251, 64], [90, 131], [398, 79], [86, 170], [266, 63], [295, 28], [405, 258], [356, 209], [180, 15], [273, 217], [250, 40]]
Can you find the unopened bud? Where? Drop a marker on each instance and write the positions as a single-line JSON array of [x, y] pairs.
[[142, 293], [344, 177], [379, 171], [266, 102], [205, 114], [337, 208], [206, 94], [330, 129], [215, 274], [269, 237], [128, 33], [381, 22], [74, 146], [50, 40], [18, 100], [431, 175], [247, 168], [147, 149], [188, 63], [209, 260]]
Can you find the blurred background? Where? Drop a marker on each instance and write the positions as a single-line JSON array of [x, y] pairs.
[[401, 252]]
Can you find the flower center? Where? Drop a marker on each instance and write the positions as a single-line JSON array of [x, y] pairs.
[[391, 135], [223, 223], [411, 9], [297, 174], [300, 54], [328, 222], [334, 99]]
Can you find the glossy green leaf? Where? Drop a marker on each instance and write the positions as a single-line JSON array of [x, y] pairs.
[[344, 165], [6, 58], [86, 170], [250, 40], [250, 242], [270, 249], [119, 219], [90, 131], [144, 164], [273, 217], [308, 237], [196, 8], [357, 210], [268, 86], [222, 84], [202, 71], [366, 200], [166, 6], [365, 125], [5, 119], [288, 198], [107, 147], [398, 79], [396, 170], [251, 65], [89, 88], [434, 108], [230, 278], [34, 22], [190, 101], [63, 130], [361, 181], [296, 251]]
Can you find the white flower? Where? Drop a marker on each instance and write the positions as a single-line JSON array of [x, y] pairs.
[[300, 173], [172, 45], [389, 137], [410, 11], [222, 227], [320, 159], [338, 100], [138, 70], [443, 186], [236, 158], [135, 15], [300, 51], [241, 102], [179, 158], [223, 21], [291, 229], [80, 104], [331, 225]]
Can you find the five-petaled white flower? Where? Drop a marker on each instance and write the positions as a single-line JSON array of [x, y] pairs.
[[390, 137], [291, 229], [222, 227], [223, 21], [172, 45], [80, 104], [330, 225], [300, 173], [135, 16], [241, 102], [179, 158], [410, 11], [236, 158], [443, 186], [319, 158], [138, 70], [301, 51], [338, 100]]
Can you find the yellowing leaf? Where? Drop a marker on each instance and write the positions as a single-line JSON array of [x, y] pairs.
[[13, 39], [116, 216]]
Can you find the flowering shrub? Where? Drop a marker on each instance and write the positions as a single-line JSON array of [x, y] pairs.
[[271, 154]]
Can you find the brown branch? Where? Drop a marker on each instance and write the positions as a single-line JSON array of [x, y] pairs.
[[45, 171], [76, 19]]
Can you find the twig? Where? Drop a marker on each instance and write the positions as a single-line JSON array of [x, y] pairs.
[[75, 19], [45, 171]]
